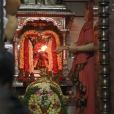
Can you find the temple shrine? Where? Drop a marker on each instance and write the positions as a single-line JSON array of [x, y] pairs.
[[40, 74], [42, 27]]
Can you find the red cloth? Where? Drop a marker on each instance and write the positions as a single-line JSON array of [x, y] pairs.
[[86, 75], [86, 36], [90, 15]]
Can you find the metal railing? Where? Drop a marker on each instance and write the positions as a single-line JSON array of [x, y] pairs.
[[104, 57]]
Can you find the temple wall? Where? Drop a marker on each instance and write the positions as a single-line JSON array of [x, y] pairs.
[[77, 7]]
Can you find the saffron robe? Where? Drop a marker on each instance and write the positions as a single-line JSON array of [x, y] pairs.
[[82, 71]]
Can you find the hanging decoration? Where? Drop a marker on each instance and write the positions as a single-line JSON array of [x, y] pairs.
[[26, 68]]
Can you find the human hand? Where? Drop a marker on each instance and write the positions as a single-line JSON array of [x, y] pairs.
[[12, 6], [72, 48], [59, 49]]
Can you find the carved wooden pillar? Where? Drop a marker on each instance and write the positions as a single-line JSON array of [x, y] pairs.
[[15, 50], [104, 57]]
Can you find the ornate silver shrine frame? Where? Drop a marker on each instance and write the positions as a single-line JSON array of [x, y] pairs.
[[59, 17]]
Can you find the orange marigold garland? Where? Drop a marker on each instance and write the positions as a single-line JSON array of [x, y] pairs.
[[21, 60], [26, 63], [50, 32], [59, 62], [31, 67], [27, 33], [49, 51]]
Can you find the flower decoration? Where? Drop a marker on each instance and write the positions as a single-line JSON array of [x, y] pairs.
[[28, 34], [21, 60], [26, 67], [28, 57], [31, 67], [44, 99], [56, 41], [54, 55]]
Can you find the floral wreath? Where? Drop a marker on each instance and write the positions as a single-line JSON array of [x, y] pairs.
[[56, 58], [44, 99], [26, 67]]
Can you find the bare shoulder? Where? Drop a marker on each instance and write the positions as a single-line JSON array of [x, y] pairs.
[[12, 6]]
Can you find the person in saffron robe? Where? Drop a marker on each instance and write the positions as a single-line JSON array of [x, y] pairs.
[[82, 71]]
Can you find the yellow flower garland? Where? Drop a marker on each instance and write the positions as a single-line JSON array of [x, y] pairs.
[[33, 98]]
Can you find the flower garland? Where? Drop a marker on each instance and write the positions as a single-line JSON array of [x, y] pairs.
[[49, 51], [44, 99], [31, 33], [59, 60], [54, 55], [21, 60], [50, 32], [31, 67], [49, 107], [26, 64], [26, 57]]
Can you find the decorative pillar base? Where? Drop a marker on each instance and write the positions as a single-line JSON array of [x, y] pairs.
[[64, 56]]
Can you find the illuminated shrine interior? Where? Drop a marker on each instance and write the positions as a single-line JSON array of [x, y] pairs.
[[40, 21]]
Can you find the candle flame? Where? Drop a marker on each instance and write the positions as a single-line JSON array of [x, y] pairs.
[[43, 48]]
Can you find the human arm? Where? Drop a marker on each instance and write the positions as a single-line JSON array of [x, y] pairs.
[[89, 43], [87, 47], [12, 6], [11, 26], [61, 48]]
